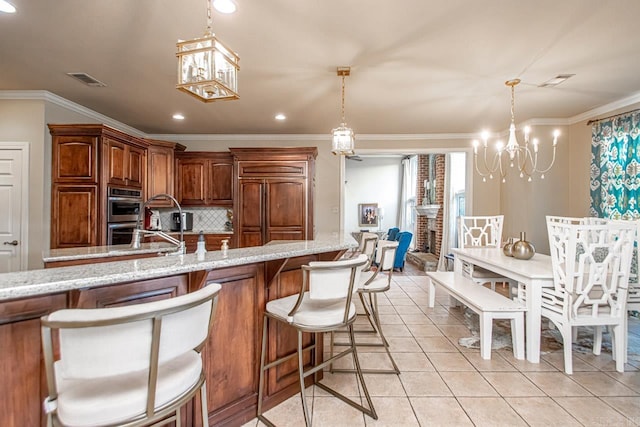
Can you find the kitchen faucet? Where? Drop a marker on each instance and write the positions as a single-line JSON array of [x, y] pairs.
[[139, 230]]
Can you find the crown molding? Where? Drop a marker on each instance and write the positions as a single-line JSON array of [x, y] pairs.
[[308, 137], [44, 95], [606, 109]]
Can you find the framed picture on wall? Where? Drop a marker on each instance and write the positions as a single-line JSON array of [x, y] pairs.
[[368, 214]]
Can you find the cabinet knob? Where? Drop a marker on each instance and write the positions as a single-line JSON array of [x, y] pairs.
[[14, 243]]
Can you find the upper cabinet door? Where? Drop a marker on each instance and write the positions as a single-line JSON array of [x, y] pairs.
[[135, 166], [116, 165], [192, 181], [205, 179], [221, 182], [160, 174], [125, 164], [75, 159]]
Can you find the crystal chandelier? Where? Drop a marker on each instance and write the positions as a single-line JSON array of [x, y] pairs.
[[525, 157], [343, 137], [207, 69]]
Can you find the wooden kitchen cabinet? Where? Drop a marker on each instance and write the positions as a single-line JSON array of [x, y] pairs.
[[74, 216], [205, 179], [125, 164], [86, 159], [274, 194], [75, 159], [161, 170]]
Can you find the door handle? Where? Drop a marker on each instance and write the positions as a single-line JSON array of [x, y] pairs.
[[14, 243]]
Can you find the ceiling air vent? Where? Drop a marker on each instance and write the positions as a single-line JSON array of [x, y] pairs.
[[560, 78], [87, 79]]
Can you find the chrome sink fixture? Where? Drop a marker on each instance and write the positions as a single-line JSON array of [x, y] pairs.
[[139, 231]]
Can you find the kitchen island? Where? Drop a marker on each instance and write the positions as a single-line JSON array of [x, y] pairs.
[[249, 277]]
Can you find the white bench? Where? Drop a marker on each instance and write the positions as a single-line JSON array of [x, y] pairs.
[[486, 303]]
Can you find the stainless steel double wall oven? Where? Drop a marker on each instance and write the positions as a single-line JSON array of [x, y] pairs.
[[123, 208]]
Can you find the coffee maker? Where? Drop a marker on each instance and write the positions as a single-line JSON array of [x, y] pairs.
[[186, 221]]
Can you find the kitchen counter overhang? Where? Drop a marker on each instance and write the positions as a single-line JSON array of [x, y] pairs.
[[48, 281]]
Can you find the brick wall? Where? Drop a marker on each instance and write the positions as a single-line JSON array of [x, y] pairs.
[[440, 174], [423, 223], [423, 173]]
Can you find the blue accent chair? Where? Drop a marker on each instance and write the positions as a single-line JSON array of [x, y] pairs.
[[392, 234], [404, 239]]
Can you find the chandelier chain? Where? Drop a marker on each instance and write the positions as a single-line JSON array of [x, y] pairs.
[[513, 103]]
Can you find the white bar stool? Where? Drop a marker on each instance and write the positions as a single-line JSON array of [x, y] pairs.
[[127, 366], [323, 304]]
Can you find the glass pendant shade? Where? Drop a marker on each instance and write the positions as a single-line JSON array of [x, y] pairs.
[[207, 69], [343, 140]]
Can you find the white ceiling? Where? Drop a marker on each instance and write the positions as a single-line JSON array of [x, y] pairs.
[[418, 66]]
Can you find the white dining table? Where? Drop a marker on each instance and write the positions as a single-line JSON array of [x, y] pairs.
[[532, 275]]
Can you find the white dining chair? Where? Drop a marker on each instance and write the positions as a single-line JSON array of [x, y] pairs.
[[324, 303], [633, 295], [482, 231], [591, 267], [135, 365]]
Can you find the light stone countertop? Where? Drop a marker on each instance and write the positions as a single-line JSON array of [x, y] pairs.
[[53, 280], [71, 254], [194, 231]]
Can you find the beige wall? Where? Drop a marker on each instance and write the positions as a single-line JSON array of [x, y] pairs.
[[525, 204], [23, 121]]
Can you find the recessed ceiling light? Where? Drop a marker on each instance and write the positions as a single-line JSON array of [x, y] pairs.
[[281, 116], [224, 6], [7, 7], [178, 116], [560, 78]]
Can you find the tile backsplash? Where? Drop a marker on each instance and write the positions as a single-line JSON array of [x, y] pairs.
[[204, 218]]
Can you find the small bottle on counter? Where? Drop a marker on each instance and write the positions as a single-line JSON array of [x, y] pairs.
[[225, 247], [201, 249]]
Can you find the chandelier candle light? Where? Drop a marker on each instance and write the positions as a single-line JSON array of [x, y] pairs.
[[343, 137], [524, 156], [207, 69]]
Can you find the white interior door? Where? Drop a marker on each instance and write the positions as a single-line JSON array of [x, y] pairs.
[[13, 211]]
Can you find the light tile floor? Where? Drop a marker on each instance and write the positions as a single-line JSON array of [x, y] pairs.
[[445, 384]]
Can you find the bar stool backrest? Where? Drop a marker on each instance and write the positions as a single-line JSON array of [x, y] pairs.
[[386, 254], [333, 280], [111, 341]]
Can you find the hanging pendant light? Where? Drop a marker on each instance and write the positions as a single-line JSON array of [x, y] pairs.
[[343, 141], [524, 157], [207, 69]]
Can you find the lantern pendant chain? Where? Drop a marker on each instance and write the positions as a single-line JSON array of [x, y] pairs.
[[343, 99], [209, 19]]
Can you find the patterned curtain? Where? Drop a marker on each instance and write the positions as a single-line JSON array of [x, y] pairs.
[[615, 167]]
